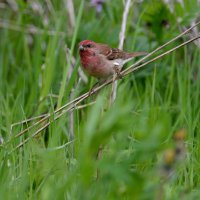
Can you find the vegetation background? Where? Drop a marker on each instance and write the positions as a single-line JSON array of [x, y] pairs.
[[39, 68]]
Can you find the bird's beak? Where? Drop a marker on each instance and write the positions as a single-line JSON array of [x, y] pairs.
[[81, 48]]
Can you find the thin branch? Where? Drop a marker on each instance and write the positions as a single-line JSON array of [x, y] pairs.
[[121, 42], [49, 115], [32, 136], [27, 120], [161, 47], [124, 22], [70, 10], [124, 71], [48, 123], [104, 84], [194, 32], [132, 68], [44, 115], [62, 146], [86, 95]]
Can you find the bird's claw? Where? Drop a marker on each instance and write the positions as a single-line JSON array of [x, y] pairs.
[[117, 72]]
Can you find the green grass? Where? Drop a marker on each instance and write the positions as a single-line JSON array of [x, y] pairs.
[[135, 132]]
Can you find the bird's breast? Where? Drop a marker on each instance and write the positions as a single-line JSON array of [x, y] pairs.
[[97, 66]]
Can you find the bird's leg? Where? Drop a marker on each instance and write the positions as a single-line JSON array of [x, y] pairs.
[[117, 70]]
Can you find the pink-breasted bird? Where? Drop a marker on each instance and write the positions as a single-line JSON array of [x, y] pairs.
[[102, 61]]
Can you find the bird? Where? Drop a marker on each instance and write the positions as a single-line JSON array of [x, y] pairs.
[[102, 61]]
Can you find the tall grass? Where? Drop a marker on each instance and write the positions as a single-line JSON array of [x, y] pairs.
[[136, 131]]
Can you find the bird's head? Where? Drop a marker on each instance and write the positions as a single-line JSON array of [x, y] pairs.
[[87, 47]]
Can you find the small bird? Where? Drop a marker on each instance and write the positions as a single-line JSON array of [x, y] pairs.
[[102, 61]]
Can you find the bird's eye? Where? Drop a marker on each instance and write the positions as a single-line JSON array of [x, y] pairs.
[[88, 45]]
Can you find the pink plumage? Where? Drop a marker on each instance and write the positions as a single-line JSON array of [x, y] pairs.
[[101, 61]]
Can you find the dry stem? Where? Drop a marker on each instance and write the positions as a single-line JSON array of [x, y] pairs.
[[72, 105], [121, 42]]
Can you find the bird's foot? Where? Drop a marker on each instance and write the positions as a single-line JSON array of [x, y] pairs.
[[117, 72]]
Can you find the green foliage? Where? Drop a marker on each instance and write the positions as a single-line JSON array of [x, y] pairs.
[[135, 132]]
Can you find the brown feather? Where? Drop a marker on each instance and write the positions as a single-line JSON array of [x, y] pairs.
[[104, 49], [119, 54], [114, 53]]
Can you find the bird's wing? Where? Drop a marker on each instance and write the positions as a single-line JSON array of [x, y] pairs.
[[114, 53], [111, 53], [120, 54], [104, 49]]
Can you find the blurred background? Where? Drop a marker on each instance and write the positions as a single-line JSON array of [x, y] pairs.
[[149, 137]]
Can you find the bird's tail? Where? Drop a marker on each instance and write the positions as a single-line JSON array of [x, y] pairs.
[[136, 54], [130, 56]]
